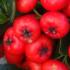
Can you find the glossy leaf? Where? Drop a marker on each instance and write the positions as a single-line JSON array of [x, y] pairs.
[[3, 18]]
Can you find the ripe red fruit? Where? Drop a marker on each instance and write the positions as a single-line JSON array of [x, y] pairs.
[[13, 47], [54, 65], [13, 58], [53, 5], [54, 24], [31, 66], [27, 28], [67, 9], [23, 61], [12, 44], [69, 51], [39, 51], [25, 5]]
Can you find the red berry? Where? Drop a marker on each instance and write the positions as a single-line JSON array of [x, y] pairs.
[[54, 65], [54, 24], [11, 43], [31, 66], [67, 9], [39, 51], [13, 58], [13, 47], [69, 51], [53, 5], [25, 5], [27, 28]]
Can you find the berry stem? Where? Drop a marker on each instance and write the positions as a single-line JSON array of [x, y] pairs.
[[65, 60], [36, 12], [60, 45], [60, 57]]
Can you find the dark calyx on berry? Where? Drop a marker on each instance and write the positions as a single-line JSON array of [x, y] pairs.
[[9, 41], [26, 33], [52, 30], [43, 51]]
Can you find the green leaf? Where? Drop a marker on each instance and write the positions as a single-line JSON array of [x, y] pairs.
[[13, 12], [9, 8], [0, 1], [3, 18], [4, 5]]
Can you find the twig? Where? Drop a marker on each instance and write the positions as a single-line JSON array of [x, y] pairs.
[[36, 12], [60, 45]]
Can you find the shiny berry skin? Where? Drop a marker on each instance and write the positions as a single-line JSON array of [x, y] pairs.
[[67, 10], [54, 24], [69, 51], [13, 47], [54, 65], [27, 28], [25, 6], [53, 5], [39, 51], [12, 43], [31, 66], [13, 58]]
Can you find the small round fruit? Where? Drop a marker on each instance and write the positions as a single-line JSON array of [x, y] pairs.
[[54, 24], [54, 65], [40, 50], [27, 28], [31, 66], [67, 10], [25, 6], [12, 44], [53, 5], [23, 61], [69, 51], [13, 47], [13, 58]]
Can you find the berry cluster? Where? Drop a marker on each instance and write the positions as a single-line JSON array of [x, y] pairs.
[[29, 42]]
